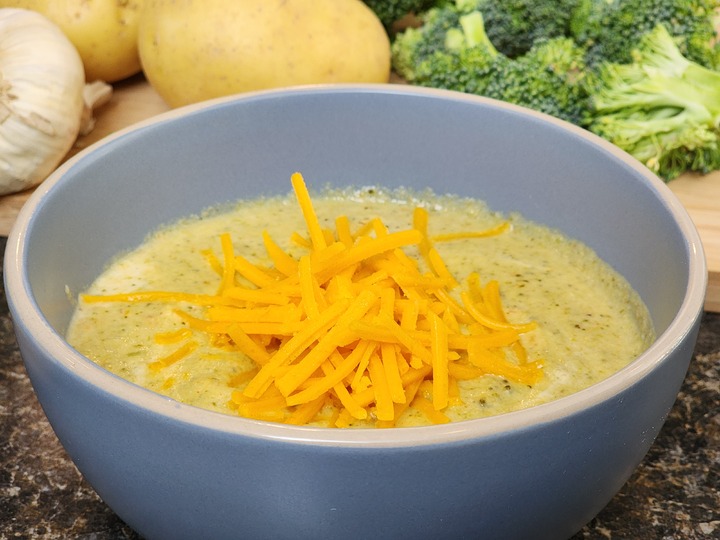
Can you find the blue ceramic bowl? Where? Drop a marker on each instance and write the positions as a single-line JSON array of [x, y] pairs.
[[174, 471]]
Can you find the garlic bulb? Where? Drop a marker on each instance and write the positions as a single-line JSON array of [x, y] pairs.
[[41, 98]]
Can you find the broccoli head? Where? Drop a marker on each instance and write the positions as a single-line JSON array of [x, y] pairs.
[[611, 29], [391, 11], [466, 59], [549, 78], [414, 45], [662, 108], [514, 26], [453, 51]]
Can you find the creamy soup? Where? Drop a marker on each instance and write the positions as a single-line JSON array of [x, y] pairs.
[[578, 321]]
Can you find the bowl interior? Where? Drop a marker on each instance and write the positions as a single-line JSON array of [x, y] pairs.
[[107, 199]]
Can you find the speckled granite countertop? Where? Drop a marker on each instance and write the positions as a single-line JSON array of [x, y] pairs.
[[674, 494]]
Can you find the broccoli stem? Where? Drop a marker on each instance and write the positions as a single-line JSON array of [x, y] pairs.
[[473, 27]]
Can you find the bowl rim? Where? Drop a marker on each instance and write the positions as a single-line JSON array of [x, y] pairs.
[[27, 313]]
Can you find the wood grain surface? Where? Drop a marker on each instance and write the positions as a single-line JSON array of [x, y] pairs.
[[134, 100]]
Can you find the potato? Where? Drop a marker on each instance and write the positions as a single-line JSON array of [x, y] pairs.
[[193, 50], [103, 31]]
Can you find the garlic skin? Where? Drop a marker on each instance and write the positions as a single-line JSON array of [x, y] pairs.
[[41, 98]]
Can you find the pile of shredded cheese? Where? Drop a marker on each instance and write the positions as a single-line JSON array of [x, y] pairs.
[[353, 330]]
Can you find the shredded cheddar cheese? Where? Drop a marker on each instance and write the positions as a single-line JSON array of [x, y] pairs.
[[357, 328]]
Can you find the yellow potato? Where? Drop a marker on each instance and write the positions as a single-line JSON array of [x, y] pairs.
[[193, 50], [103, 31]]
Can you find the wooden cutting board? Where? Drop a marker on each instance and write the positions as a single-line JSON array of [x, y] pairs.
[[134, 100]]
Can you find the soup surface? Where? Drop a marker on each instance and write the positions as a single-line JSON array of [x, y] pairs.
[[587, 322]]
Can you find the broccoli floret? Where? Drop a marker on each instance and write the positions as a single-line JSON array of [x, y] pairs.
[[549, 79], [413, 46], [391, 11], [454, 52], [611, 29], [467, 62], [627, 72], [514, 26], [662, 108]]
